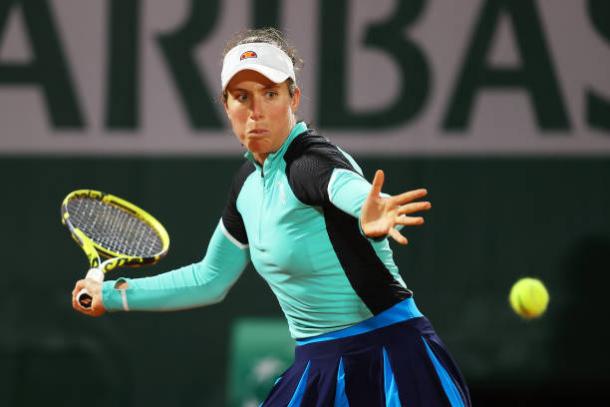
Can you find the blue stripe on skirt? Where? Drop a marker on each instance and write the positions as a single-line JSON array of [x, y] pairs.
[[402, 363], [340, 397], [297, 397], [389, 383], [450, 389]]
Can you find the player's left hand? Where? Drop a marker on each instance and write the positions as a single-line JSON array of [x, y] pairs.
[[380, 214]]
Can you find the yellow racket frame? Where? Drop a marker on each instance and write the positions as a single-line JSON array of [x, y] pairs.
[[94, 251]]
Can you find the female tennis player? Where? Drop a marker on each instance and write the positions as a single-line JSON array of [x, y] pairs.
[[300, 209]]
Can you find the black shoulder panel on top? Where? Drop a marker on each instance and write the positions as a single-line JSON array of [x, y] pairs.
[[231, 218], [310, 161]]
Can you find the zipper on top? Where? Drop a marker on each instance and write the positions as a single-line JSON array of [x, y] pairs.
[[262, 207]]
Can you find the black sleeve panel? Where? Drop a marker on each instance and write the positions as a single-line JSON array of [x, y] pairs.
[[310, 161], [231, 218]]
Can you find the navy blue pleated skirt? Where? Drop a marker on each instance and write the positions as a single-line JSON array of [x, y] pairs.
[[393, 359]]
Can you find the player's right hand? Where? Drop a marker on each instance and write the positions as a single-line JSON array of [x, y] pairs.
[[380, 214], [94, 288]]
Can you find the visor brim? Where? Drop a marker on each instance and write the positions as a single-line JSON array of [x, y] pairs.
[[273, 75]]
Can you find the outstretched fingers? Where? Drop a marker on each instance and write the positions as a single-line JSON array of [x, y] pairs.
[[409, 196], [396, 235], [409, 220], [414, 207]]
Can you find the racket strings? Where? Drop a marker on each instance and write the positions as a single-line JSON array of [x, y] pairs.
[[114, 228]]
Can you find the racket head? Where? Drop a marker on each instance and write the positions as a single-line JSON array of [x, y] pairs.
[[114, 228]]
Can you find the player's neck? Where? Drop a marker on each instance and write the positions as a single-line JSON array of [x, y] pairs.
[[260, 157]]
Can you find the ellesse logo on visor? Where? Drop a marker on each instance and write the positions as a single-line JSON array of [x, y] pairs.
[[248, 54]]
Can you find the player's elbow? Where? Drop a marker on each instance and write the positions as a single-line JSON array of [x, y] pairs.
[[215, 294]]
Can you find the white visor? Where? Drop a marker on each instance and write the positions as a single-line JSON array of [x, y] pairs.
[[266, 59]]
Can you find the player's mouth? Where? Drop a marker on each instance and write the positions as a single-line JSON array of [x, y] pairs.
[[257, 132]]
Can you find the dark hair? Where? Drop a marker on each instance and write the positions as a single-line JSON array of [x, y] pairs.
[[271, 36]]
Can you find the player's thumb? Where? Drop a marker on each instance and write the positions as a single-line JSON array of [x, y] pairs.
[[80, 284], [377, 183]]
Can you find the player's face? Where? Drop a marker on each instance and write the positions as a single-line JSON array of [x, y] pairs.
[[261, 112]]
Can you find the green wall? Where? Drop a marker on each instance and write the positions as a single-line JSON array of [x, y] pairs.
[[493, 221]]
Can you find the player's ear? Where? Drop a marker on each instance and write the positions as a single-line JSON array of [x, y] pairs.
[[296, 99], [225, 98]]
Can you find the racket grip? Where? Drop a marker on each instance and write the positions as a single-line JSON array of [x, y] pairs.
[[83, 297]]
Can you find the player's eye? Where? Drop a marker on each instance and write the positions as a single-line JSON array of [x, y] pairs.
[[241, 97], [271, 94]]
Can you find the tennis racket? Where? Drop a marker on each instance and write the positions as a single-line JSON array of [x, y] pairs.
[[106, 226]]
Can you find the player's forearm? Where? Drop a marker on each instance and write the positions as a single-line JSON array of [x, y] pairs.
[[203, 283], [348, 190], [174, 290]]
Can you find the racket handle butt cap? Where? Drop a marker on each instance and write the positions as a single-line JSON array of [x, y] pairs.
[[84, 299]]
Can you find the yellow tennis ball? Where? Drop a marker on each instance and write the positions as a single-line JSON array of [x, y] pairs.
[[529, 298]]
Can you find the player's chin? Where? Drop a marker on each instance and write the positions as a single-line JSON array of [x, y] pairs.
[[258, 145]]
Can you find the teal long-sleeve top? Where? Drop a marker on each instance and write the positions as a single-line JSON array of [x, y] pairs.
[[296, 218]]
